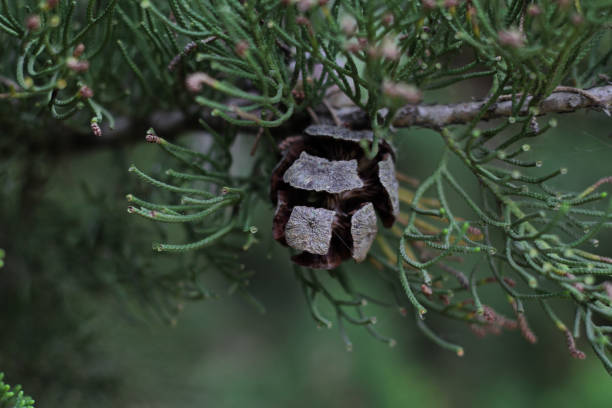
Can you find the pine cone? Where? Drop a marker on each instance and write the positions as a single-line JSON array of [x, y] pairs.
[[327, 193]]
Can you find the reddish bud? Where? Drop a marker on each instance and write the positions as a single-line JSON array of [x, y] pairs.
[[33, 22], [522, 324], [389, 49], [78, 50], [571, 346], [577, 19], [151, 137], [195, 81], [533, 10], [301, 20], [388, 19], [489, 314], [52, 4], [305, 5], [95, 128], [298, 93], [241, 48], [77, 66], [512, 38], [429, 4], [86, 92], [426, 290]]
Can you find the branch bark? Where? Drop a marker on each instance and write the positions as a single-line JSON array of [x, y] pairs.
[[438, 116]]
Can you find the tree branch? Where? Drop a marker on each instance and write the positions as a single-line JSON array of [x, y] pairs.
[[563, 100], [438, 116]]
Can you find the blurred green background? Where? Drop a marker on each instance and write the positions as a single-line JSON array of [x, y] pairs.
[[80, 327]]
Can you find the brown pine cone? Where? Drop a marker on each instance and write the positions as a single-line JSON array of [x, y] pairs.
[[327, 193]]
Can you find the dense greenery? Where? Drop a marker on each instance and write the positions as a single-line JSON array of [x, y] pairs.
[[490, 210]]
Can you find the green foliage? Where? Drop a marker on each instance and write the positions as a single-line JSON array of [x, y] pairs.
[[265, 64], [525, 229], [13, 397]]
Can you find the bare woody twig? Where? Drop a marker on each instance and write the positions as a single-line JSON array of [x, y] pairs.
[[562, 101]]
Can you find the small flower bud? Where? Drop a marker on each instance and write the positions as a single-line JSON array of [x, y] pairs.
[[301, 20], [533, 10], [428, 4], [78, 50], [571, 346], [95, 128], [512, 38], [389, 49], [577, 19], [52, 4], [86, 92], [195, 81], [77, 66], [349, 26], [241, 48], [305, 5], [33, 22], [151, 137], [388, 19]]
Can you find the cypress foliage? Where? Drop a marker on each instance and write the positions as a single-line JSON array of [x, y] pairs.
[[99, 73]]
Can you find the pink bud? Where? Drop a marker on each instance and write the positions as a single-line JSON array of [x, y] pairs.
[[195, 81], [533, 10], [86, 92], [305, 5], [78, 50], [512, 38], [577, 19], [388, 19], [95, 128], [348, 25], [151, 137], [389, 49], [33, 22], [241, 48], [429, 4]]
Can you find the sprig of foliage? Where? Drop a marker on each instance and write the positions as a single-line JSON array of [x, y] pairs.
[[531, 236], [13, 397], [217, 208], [261, 64]]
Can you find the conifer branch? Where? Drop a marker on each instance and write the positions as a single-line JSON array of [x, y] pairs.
[[440, 115]]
